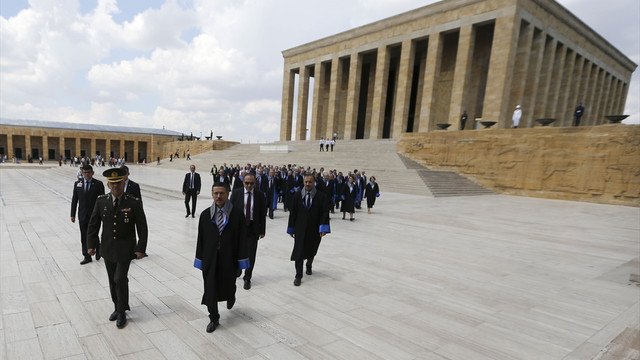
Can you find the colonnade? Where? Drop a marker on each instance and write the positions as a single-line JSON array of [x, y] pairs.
[[22, 142], [486, 64]]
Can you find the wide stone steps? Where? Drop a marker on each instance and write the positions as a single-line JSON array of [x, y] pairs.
[[375, 157], [445, 183]]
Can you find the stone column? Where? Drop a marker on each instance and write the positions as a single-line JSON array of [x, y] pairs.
[[333, 109], [380, 85], [10, 150], [93, 147], [318, 125], [405, 76], [45, 147], [121, 155], [353, 93], [78, 147], [27, 145], [557, 77], [135, 158], [62, 146], [286, 120], [546, 72], [533, 79], [502, 58], [590, 89], [520, 72], [461, 76], [623, 97], [575, 92], [564, 109], [303, 103], [616, 97], [432, 68], [606, 98], [598, 97], [107, 149]]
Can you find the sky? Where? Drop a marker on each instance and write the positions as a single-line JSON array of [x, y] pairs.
[[199, 66]]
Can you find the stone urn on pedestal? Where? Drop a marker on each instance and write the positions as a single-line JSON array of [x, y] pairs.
[[545, 121], [615, 119]]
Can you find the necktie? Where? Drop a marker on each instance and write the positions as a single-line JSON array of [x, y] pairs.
[[115, 204], [191, 180], [247, 214], [308, 201], [86, 185], [220, 220]]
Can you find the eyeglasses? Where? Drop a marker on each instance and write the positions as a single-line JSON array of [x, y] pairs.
[[249, 183]]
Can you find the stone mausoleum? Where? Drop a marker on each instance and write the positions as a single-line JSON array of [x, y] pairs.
[[412, 71], [21, 138]]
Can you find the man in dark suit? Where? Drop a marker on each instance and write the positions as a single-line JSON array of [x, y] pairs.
[[223, 177], [273, 189], [220, 252], [85, 194], [191, 190], [253, 204], [131, 187], [121, 215], [308, 223]]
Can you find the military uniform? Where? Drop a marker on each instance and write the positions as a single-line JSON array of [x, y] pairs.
[[120, 223]]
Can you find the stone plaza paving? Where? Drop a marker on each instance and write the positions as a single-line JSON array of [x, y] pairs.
[[475, 277]]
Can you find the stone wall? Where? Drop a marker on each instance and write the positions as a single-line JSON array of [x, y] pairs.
[[592, 163], [195, 147]]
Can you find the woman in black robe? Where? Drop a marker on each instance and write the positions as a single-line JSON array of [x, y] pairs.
[[349, 191], [371, 192]]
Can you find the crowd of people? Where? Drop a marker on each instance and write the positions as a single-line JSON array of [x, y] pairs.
[[228, 230]]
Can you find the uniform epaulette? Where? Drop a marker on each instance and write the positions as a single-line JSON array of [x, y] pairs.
[[102, 196]]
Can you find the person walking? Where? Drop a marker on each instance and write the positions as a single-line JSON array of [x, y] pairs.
[[371, 192], [121, 216], [308, 223], [85, 193], [255, 214], [220, 252], [191, 190], [348, 197]]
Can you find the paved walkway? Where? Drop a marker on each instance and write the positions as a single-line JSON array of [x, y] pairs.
[[481, 277]]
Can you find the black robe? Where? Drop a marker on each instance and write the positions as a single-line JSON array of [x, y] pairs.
[[307, 224], [371, 193], [220, 266], [349, 198]]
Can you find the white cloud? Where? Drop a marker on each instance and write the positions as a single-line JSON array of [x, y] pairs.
[[58, 64]]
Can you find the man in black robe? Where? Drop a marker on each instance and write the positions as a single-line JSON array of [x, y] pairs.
[[220, 251], [308, 223], [252, 202]]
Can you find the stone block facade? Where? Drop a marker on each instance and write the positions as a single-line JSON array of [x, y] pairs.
[[592, 163], [409, 72]]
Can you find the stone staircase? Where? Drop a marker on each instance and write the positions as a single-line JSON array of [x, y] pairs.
[[393, 172], [445, 183]]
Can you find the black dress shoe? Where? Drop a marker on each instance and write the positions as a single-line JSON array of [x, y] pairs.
[[85, 261], [187, 215], [247, 284], [212, 326], [297, 281], [309, 272], [98, 255], [113, 316], [193, 216], [121, 320], [230, 303]]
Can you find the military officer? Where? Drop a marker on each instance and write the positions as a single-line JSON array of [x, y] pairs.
[[121, 215]]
